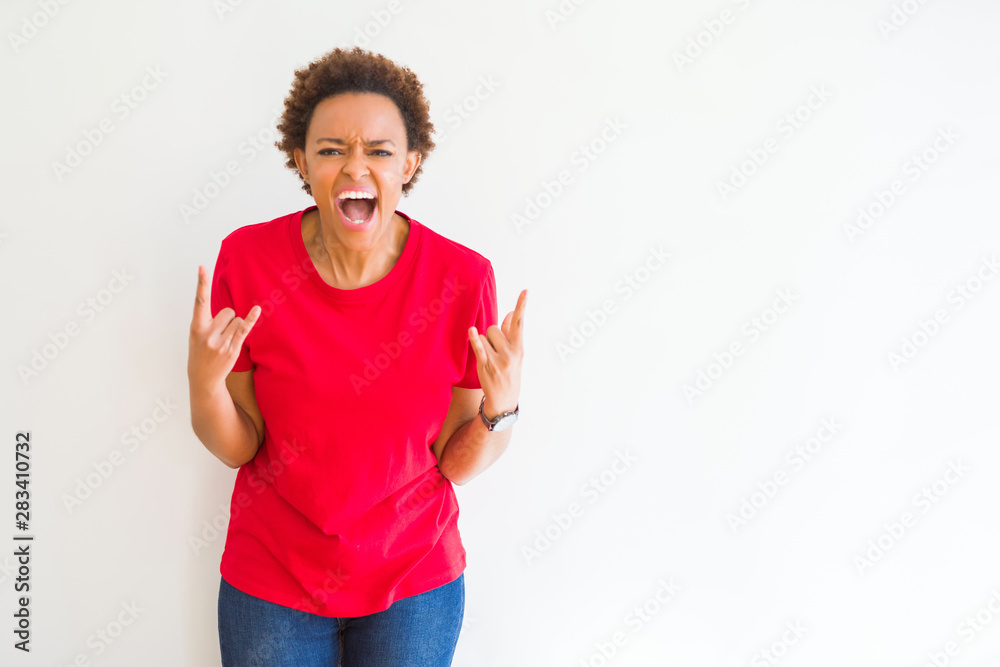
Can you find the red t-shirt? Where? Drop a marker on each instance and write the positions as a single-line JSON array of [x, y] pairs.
[[343, 510]]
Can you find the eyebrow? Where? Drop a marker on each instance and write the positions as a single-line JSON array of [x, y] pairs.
[[376, 142]]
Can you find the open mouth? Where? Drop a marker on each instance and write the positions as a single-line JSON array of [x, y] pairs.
[[356, 209]]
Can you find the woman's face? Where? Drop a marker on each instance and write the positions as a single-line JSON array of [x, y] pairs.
[[357, 141]]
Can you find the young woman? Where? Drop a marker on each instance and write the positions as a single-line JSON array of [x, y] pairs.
[[355, 389]]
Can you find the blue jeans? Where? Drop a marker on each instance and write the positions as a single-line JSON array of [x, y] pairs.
[[419, 630]]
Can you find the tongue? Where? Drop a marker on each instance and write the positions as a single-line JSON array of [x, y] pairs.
[[358, 209]]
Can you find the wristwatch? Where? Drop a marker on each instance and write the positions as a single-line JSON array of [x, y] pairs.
[[502, 421]]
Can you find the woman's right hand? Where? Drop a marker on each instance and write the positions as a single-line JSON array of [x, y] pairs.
[[214, 343]]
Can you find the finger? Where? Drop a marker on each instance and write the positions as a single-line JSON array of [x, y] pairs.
[[502, 339], [202, 300], [497, 341], [221, 323], [233, 327], [243, 328], [479, 345], [505, 327], [516, 334]]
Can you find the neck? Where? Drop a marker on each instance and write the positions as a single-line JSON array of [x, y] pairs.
[[355, 268]]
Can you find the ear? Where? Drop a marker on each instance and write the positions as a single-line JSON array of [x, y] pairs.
[[412, 162], [300, 162]]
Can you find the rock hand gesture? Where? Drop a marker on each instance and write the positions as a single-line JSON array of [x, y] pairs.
[[214, 343]]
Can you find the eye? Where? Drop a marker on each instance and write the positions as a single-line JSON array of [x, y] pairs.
[[326, 151]]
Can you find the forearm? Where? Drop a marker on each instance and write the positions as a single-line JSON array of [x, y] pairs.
[[471, 450], [224, 429]]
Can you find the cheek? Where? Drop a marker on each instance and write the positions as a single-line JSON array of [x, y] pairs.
[[322, 172], [392, 177]]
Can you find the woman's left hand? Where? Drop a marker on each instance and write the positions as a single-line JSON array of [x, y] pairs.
[[498, 359]]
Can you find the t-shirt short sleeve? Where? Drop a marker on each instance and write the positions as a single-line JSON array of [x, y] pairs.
[[486, 316], [222, 297]]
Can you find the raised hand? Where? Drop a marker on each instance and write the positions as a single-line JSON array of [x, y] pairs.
[[498, 359], [214, 343]]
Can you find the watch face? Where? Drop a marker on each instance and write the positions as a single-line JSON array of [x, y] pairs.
[[505, 422]]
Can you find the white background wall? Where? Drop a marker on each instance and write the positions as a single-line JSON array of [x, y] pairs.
[[895, 75]]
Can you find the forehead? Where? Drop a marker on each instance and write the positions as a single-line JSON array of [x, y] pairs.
[[357, 115]]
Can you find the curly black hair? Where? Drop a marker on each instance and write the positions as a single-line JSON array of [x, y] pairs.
[[355, 71]]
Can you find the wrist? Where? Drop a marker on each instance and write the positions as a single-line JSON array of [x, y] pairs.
[[202, 393], [493, 410]]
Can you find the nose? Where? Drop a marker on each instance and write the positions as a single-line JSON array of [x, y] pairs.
[[356, 165]]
